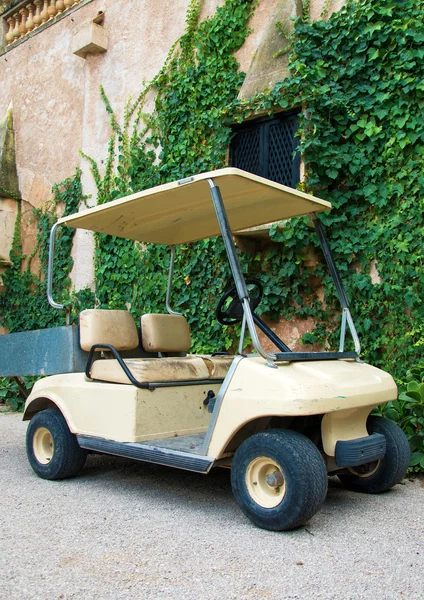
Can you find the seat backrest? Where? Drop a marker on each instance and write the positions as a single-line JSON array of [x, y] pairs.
[[165, 333], [114, 327]]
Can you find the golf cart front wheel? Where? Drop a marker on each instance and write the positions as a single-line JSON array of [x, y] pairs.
[[53, 451], [383, 474], [279, 479]]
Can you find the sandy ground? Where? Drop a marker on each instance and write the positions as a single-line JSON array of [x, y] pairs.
[[125, 530]]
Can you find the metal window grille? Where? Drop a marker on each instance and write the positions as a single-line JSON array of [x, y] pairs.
[[268, 147]]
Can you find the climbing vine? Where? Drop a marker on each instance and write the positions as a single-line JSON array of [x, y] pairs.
[[360, 77], [24, 305]]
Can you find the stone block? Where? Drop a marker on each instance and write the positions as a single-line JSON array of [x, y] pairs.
[[91, 39]]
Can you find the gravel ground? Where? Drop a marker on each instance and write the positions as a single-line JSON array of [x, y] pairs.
[[133, 531]]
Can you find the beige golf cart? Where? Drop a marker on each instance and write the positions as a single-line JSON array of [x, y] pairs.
[[280, 420]]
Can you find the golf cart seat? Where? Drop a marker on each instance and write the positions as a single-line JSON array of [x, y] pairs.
[[115, 331], [167, 334]]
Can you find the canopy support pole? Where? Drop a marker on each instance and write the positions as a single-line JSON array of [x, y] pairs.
[[236, 271], [341, 293], [169, 288], [50, 274]]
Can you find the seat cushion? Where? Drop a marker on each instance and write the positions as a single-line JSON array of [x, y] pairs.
[[217, 365], [152, 370], [115, 327], [165, 333]]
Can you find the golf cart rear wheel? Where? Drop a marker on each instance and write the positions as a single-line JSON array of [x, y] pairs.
[[279, 479], [53, 451], [383, 474]]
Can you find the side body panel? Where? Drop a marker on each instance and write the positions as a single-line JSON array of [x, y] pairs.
[[347, 387], [122, 412], [97, 409]]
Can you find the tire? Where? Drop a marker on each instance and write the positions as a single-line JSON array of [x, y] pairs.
[[279, 479], [381, 475], [53, 451]]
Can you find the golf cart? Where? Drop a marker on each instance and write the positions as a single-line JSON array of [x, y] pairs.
[[280, 420]]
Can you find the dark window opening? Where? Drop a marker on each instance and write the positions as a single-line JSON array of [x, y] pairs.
[[268, 147]]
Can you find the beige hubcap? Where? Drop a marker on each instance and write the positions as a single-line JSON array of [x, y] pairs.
[[43, 445], [265, 482]]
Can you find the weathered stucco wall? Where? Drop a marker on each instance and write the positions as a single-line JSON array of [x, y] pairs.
[[57, 107]]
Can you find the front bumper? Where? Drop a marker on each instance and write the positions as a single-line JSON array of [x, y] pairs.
[[352, 453]]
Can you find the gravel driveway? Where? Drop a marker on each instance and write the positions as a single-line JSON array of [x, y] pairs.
[[125, 530]]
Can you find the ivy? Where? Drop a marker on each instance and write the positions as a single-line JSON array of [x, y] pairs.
[[408, 412], [24, 305], [360, 75]]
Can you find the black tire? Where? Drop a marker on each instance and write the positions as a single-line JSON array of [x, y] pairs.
[[298, 479], [53, 451], [383, 474]]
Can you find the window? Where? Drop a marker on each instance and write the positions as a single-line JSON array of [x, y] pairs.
[[267, 147]]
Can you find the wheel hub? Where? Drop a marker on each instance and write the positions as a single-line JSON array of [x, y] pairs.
[[43, 445], [265, 482], [275, 479]]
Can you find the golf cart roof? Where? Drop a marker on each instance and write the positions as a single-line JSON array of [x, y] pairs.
[[183, 211]]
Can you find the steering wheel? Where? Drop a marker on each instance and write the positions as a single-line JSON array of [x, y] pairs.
[[232, 312]]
